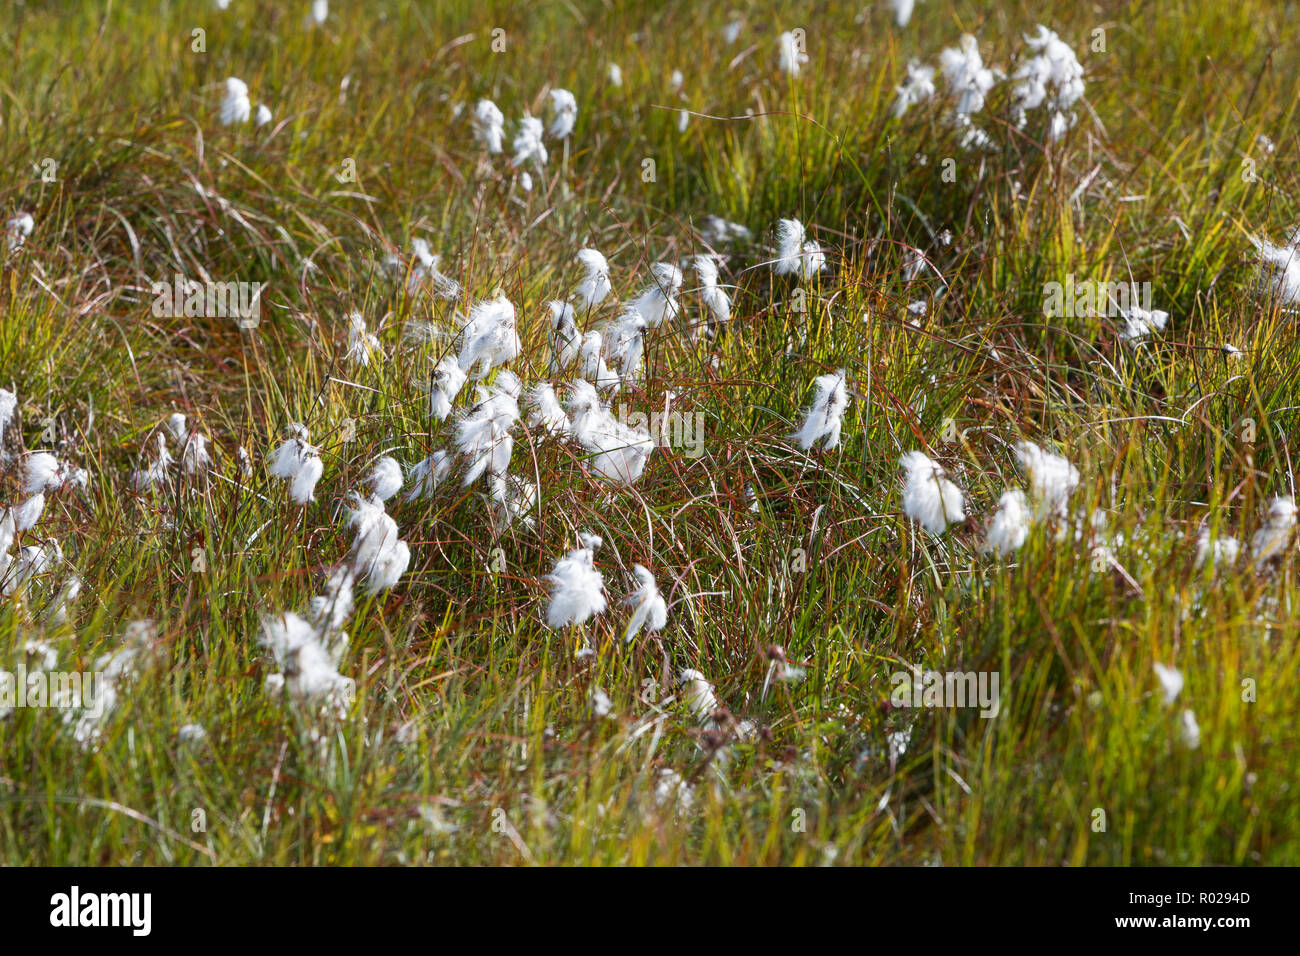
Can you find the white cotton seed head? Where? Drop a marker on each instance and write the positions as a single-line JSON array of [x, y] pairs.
[[658, 301], [1010, 526], [489, 337], [489, 126], [18, 229], [564, 338], [967, 77], [566, 113], [309, 669], [388, 568], [29, 512], [329, 611], [528, 143], [1139, 323], [1052, 479], [711, 294], [362, 345], [576, 590], [918, 87], [195, 457], [591, 357], [448, 380], [790, 53], [648, 607], [304, 481], [1221, 552], [902, 11], [1051, 79], [8, 407], [385, 479], [1280, 267], [545, 414], [595, 285], [1270, 539], [929, 498], [796, 255], [426, 476], [824, 418], [1171, 682], [697, 694], [235, 105], [41, 472], [1189, 731]]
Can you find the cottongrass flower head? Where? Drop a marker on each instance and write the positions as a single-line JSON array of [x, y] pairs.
[[595, 285], [563, 337], [299, 463], [591, 358], [795, 254], [1051, 79], [379, 556], [236, 108], [697, 694], [824, 417], [918, 87], [929, 498], [361, 343], [576, 587], [658, 301], [489, 126], [1280, 267], [18, 229], [1139, 323], [716, 231], [118, 668], [624, 343], [448, 380], [262, 116], [1171, 682], [1270, 539], [528, 143], [790, 53], [616, 452], [1219, 551], [566, 114], [8, 408], [1010, 526], [545, 414], [308, 664], [385, 478], [427, 475], [329, 611], [712, 295], [489, 337], [967, 77], [648, 607], [902, 11], [1052, 479], [42, 472], [483, 433], [425, 272]]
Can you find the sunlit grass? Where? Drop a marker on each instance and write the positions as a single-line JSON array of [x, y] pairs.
[[472, 738]]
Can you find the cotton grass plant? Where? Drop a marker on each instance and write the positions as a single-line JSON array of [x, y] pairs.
[[437, 658]]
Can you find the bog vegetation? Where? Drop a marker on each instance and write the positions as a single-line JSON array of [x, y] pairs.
[[599, 433]]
